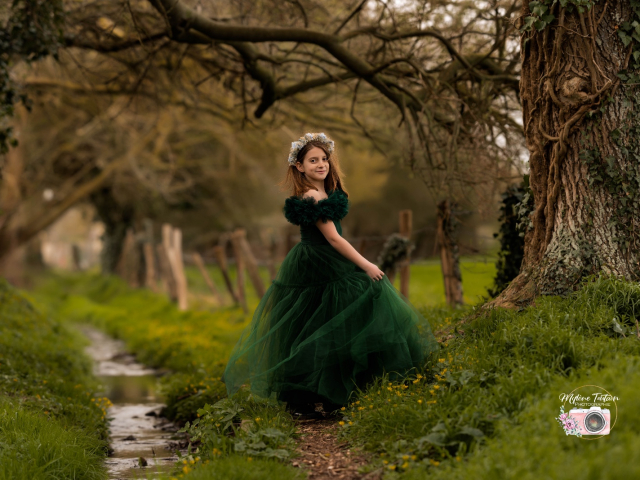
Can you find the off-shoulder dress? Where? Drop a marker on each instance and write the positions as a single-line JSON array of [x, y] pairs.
[[324, 327]]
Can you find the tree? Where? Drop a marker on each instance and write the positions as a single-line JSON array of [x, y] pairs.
[[580, 100], [31, 29], [448, 68]]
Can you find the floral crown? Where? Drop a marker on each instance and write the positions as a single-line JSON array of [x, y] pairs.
[[302, 141]]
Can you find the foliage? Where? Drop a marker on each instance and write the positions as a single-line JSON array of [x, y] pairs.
[[629, 33], [194, 346], [33, 30], [50, 426], [541, 15], [622, 184], [514, 199], [395, 249], [242, 468], [489, 378], [241, 426]]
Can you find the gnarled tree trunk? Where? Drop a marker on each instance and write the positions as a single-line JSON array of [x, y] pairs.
[[580, 125]]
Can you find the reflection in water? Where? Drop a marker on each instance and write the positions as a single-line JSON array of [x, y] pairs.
[[135, 430]]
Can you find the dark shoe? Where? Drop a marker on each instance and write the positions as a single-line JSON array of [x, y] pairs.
[[307, 416], [331, 409]]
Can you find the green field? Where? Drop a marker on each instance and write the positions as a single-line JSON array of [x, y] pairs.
[[426, 287]]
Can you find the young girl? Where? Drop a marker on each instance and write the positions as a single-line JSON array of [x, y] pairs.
[[331, 321]]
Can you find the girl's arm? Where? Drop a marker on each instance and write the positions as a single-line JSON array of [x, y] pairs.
[[346, 249]]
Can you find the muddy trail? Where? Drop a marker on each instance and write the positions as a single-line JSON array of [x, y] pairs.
[[138, 436], [323, 456]]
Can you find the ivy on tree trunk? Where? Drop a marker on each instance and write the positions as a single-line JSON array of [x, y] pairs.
[[580, 111]]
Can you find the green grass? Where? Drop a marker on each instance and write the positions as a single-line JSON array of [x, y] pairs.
[[426, 287], [244, 468], [486, 408], [51, 426], [195, 345], [533, 445]]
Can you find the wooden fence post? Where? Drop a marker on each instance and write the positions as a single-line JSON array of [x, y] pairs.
[[449, 256], [236, 243], [178, 265], [197, 259], [406, 224], [252, 265], [166, 274], [150, 268], [172, 245], [221, 258]]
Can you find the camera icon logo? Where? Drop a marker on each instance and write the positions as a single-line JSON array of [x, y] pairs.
[[589, 416], [592, 421]]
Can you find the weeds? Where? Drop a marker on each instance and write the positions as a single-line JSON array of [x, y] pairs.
[[51, 425]]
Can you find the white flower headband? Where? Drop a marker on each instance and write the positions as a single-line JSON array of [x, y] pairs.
[[302, 141]]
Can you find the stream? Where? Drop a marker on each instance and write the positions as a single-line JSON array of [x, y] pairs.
[[137, 434]]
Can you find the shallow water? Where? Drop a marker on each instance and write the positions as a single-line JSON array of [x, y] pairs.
[[135, 429]]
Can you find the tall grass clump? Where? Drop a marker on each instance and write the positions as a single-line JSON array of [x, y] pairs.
[[51, 425], [499, 366]]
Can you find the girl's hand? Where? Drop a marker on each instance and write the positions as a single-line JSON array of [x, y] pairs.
[[374, 272]]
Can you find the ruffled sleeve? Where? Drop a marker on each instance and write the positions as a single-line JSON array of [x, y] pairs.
[[306, 211]]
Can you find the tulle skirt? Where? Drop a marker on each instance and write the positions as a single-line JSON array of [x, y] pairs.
[[323, 328]]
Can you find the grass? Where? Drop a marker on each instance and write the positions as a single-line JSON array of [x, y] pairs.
[[484, 408], [51, 426], [487, 407], [195, 345], [241, 468], [426, 287]]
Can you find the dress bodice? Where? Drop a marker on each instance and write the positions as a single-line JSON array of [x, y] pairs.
[[311, 234], [305, 212]]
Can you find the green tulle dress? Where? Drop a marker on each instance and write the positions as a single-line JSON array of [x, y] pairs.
[[324, 326]]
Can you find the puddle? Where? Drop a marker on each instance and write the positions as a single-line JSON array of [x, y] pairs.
[[136, 430]]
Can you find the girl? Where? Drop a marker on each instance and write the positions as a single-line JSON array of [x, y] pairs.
[[331, 321]]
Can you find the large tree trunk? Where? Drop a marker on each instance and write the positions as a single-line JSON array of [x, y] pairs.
[[117, 220], [585, 171]]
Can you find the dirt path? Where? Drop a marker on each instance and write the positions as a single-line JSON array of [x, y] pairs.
[[324, 457]]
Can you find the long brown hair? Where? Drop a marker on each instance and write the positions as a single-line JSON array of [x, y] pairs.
[[298, 184]]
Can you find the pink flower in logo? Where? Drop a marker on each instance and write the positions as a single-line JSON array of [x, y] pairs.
[[571, 423], [568, 423]]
